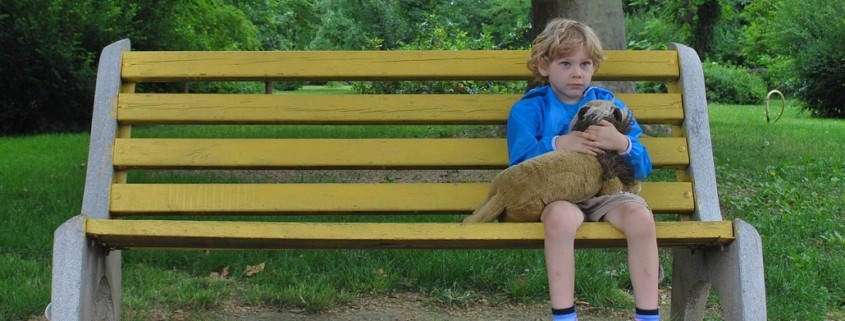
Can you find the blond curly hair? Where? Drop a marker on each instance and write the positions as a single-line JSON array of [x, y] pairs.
[[560, 38]]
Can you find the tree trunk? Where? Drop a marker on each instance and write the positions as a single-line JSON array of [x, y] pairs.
[[604, 16]]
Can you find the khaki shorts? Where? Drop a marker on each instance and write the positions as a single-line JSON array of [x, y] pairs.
[[597, 207]]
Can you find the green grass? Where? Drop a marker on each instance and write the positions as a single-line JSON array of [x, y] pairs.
[[41, 181], [785, 178]]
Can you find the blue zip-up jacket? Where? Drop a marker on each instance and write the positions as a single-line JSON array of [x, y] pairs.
[[539, 116]]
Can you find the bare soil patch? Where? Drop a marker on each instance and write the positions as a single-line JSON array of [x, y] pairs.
[[409, 306]]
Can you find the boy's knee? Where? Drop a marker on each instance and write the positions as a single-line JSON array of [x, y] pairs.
[[635, 220], [640, 212], [562, 216], [640, 221]]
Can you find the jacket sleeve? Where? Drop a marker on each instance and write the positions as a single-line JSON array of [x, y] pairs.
[[525, 138], [638, 156]]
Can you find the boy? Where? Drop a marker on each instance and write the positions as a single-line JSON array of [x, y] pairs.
[[563, 58]]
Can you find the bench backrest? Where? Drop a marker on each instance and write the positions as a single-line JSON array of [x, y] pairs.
[[346, 140]]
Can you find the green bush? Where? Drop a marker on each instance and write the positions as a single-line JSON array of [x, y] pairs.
[[809, 34], [730, 84], [647, 30], [821, 73], [434, 35], [47, 79]]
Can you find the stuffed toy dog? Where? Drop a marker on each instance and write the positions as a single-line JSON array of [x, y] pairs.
[[520, 192]]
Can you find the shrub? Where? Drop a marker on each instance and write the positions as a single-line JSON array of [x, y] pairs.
[[434, 35], [821, 73], [730, 84], [809, 34], [47, 78], [648, 31]]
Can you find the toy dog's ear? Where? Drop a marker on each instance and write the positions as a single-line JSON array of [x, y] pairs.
[[623, 120], [619, 115], [583, 112]]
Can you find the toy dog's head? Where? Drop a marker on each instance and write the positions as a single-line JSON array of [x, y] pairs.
[[598, 110]]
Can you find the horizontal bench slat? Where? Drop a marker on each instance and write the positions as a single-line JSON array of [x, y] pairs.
[[149, 153], [156, 66], [314, 109], [141, 234], [353, 109], [299, 198]]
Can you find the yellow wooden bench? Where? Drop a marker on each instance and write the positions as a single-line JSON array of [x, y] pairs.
[[119, 213]]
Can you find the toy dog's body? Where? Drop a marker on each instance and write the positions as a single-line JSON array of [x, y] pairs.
[[520, 192], [612, 164]]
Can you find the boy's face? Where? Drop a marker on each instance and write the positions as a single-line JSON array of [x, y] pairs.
[[569, 75]]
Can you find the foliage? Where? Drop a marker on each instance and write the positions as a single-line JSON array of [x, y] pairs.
[[697, 18], [727, 43], [820, 60], [436, 36], [337, 31], [821, 70], [712, 27], [49, 76], [506, 23], [693, 22], [389, 25], [648, 31], [282, 24], [195, 25], [731, 84], [758, 46], [805, 45]]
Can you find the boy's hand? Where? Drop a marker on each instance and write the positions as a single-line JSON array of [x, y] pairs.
[[579, 142], [596, 140], [605, 136]]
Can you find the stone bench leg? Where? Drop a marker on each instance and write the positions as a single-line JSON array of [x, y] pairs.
[[86, 279], [734, 271]]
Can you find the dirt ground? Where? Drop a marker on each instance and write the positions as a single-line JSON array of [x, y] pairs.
[[415, 306], [403, 306]]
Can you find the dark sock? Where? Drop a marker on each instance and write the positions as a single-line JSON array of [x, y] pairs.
[[647, 315], [647, 312], [563, 311], [567, 314]]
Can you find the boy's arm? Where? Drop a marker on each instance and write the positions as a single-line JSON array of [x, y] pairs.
[[633, 150], [638, 155], [525, 138]]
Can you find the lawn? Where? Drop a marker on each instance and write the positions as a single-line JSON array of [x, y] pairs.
[[785, 178]]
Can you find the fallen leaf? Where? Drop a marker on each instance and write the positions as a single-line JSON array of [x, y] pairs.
[[254, 269], [225, 272], [222, 274]]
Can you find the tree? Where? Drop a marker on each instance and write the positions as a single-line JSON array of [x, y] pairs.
[[357, 25], [281, 24], [809, 45], [381, 24], [191, 25], [48, 64], [698, 18], [47, 75]]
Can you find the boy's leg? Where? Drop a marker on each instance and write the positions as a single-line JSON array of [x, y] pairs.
[[637, 223], [561, 221]]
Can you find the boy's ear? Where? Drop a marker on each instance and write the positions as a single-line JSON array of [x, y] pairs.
[[543, 69]]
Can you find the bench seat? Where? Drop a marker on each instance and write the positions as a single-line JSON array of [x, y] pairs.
[[147, 234]]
